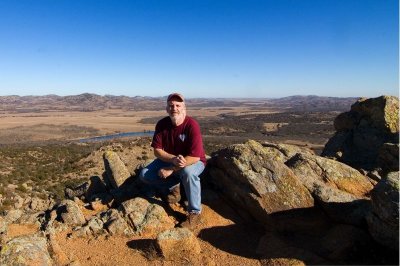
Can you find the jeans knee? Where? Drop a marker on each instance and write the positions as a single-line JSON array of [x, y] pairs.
[[187, 174], [142, 175]]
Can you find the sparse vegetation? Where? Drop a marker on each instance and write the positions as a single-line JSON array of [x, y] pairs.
[[45, 167]]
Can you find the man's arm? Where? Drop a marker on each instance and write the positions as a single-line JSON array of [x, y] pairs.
[[179, 161], [164, 156]]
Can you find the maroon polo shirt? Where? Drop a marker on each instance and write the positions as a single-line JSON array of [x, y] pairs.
[[184, 139]]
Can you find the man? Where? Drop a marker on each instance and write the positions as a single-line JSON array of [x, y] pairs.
[[178, 146]]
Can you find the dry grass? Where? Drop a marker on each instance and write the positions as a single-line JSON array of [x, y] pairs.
[[44, 126]]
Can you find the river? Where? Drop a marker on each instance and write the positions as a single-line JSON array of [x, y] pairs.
[[118, 135]]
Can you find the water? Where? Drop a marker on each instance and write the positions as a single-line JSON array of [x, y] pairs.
[[119, 135]]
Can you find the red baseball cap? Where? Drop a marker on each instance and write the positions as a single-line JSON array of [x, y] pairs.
[[177, 96]]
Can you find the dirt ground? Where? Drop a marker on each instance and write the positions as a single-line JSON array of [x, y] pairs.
[[224, 238]]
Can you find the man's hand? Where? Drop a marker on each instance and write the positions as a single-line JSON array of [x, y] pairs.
[[165, 172], [179, 161]]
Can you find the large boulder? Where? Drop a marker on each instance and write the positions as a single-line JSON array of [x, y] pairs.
[[341, 190], [26, 250], [255, 181], [363, 131], [383, 221]]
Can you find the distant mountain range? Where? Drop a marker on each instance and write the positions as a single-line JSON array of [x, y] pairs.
[[88, 102]]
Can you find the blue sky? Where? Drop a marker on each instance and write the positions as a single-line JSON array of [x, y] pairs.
[[201, 48]]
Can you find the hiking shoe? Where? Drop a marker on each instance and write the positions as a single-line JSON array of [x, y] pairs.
[[193, 220], [175, 195]]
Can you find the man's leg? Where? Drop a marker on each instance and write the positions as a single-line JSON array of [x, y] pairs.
[[191, 182], [149, 176]]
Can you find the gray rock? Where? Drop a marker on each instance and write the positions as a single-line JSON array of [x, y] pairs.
[[116, 171], [109, 215], [284, 152], [70, 213], [3, 225], [363, 132], [388, 156], [78, 191], [383, 221], [177, 243], [119, 226], [93, 227], [257, 182], [13, 215], [26, 250], [37, 204], [341, 190], [145, 217]]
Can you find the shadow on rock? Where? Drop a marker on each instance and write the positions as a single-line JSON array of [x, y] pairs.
[[234, 239], [147, 247]]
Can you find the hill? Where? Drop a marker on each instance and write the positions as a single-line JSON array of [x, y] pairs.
[[87, 102]]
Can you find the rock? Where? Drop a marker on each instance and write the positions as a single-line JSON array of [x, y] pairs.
[[93, 227], [119, 226], [388, 156], [13, 215], [146, 218], [78, 191], [256, 182], [177, 243], [363, 131], [18, 202], [116, 171], [340, 190], [32, 218], [341, 241], [95, 224], [96, 186], [104, 198], [38, 204], [383, 221], [3, 225], [282, 262], [109, 215], [284, 152], [26, 250], [381, 112], [70, 213], [97, 205]]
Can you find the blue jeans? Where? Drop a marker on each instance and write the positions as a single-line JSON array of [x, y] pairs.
[[189, 176]]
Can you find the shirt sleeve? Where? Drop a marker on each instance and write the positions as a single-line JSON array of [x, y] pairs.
[[196, 142], [157, 138]]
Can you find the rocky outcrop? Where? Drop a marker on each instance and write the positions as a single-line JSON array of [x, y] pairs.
[[248, 176], [363, 131], [26, 250], [341, 190], [383, 221], [311, 209]]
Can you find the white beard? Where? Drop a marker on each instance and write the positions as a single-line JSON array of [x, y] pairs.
[[177, 119]]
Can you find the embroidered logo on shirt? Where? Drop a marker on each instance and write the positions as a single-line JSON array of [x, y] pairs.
[[182, 137]]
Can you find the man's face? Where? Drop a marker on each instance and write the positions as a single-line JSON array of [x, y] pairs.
[[176, 110]]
